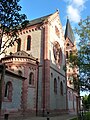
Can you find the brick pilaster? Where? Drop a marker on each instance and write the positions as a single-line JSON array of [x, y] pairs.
[[46, 71], [24, 90], [47, 84]]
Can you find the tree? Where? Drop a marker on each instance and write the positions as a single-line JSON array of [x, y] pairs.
[[11, 21], [84, 51], [83, 58], [2, 70], [86, 101]]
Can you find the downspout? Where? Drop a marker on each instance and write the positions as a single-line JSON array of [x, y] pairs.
[[43, 73], [66, 80], [37, 87]]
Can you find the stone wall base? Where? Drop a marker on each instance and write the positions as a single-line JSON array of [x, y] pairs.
[[32, 113]]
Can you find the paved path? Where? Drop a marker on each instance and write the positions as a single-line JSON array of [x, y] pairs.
[[62, 117]]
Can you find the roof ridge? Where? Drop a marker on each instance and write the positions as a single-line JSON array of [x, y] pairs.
[[40, 19]]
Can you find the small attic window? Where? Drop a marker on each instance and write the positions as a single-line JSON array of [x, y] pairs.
[[58, 78], [57, 31], [6, 66], [68, 44], [19, 72], [52, 75], [10, 53]]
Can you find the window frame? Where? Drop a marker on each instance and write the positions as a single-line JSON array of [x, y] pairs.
[[61, 88], [8, 91], [28, 42], [19, 44], [55, 85], [31, 79]]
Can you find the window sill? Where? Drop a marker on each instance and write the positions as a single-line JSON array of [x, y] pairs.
[[31, 86], [7, 100]]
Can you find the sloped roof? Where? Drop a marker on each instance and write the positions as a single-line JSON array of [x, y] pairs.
[[69, 32], [7, 71], [21, 54], [38, 20]]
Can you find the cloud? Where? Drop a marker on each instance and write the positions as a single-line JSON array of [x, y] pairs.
[[73, 14], [78, 3], [74, 9]]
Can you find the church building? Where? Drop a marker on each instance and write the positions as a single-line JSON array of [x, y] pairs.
[[39, 57]]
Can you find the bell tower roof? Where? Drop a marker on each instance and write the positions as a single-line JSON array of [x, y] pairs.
[[69, 32]]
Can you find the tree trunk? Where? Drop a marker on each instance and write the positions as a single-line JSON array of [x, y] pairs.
[[2, 73]]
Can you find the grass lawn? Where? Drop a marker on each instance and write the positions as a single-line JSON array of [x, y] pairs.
[[86, 116], [74, 119]]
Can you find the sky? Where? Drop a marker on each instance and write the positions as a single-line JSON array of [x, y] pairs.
[[74, 9]]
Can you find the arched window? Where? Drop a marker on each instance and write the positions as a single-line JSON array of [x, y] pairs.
[[60, 54], [70, 52], [8, 90], [57, 31], [55, 85], [18, 44], [51, 75], [28, 42], [31, 79], [61, 88], [66, 54]]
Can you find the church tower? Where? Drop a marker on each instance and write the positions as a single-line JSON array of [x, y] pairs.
[[72, 70]]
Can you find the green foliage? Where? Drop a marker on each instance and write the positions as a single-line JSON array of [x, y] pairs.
[[64, 68], [73, 59], [83, 60], [11, 21], [84, 45], [88, 115], [86, 101]]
